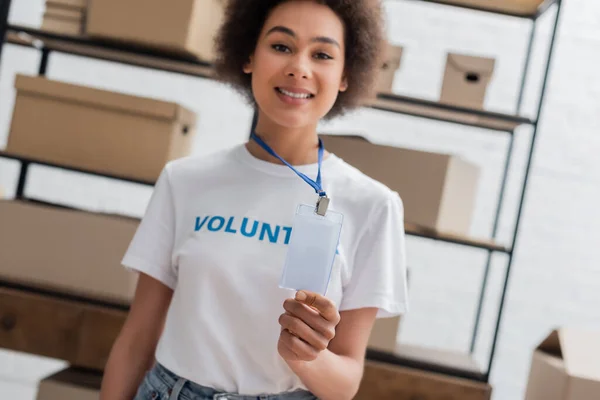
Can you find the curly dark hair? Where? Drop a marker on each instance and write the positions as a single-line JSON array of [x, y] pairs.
[[244, 19]]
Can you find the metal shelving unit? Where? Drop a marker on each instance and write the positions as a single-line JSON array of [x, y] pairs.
[[460, 365]]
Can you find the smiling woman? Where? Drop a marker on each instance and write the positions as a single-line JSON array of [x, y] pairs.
[[358, 48], [209, 319]]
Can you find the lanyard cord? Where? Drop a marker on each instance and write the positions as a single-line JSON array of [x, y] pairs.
[[315, 184]]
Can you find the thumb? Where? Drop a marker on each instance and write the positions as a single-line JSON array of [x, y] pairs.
[[325, 306]]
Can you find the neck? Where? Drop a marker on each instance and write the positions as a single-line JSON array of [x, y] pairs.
[[297, 146]]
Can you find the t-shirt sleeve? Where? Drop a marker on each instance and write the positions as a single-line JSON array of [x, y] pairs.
[[379, 269], [150, 250]]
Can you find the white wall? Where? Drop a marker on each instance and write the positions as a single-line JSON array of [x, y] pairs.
[[556, 273]]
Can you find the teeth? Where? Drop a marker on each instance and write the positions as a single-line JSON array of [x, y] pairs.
[[295, 95]]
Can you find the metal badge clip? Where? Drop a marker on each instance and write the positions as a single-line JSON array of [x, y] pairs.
[[322, 205]]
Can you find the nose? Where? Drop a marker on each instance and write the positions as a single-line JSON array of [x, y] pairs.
[[298, 67]]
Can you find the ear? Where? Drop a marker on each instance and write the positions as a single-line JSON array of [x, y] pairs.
[[248, 66], [344, 84]]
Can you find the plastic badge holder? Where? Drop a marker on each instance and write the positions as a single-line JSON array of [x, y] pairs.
[[312, 249]]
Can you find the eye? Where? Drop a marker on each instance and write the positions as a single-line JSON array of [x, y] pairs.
[[323, 56], [281, 48]]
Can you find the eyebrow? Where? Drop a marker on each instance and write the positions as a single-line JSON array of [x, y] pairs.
[[288, 31]]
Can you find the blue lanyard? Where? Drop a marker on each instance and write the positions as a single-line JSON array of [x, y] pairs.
[[315, 184]]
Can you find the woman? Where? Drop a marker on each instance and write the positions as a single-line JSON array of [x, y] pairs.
[[209, 319]]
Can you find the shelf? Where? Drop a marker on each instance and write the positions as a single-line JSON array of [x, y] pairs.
[[456, 364], [410, 229], [28, 160], [30, 37], [516, 10], [415, 230], [448, 113], [81, 46]]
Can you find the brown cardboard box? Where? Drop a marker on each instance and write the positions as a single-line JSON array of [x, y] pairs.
[[186, 26], [389, 382], [385, 79], [70, 383], [384, 334], [438, 190], [97, 130], [66, 250], [78, 4], [65, 18], [466, 80], [57, 11], [519, 7], [64, 26], [73, 331], [566, 366]]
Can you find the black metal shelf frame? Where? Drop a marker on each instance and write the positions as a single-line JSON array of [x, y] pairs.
[[47, 43]]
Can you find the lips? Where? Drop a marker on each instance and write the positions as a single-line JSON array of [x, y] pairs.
[[295, 93]]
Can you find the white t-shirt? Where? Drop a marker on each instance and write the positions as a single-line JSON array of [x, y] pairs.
[[216, 231]]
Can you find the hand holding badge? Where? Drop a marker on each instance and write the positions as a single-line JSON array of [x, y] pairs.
[[309, 321], [307, 326]]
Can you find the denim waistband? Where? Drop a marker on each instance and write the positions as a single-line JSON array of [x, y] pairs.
[[191, 390]]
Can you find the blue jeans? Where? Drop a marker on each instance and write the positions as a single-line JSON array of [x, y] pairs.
[[162, 384]]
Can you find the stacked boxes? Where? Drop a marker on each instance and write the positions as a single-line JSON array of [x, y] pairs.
[[185, 27], [95, 131], [65, 17]]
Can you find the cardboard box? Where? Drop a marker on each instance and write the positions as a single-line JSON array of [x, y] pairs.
[[64, 17], [57, 11], [97, 130], [391, 64], [76, 4], [389, 382], [73, 331], [70, 383], [466, 80], [186, 26], [566, 366], [384, 335], [438, 190], [66, 250], [519, 7], [63, 26]]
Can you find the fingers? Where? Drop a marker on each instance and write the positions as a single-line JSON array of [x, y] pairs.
[[325, 306], [295, 346], [285, 351], [298, 328], [311, 318]]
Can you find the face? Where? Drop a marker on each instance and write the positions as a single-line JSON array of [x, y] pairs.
[[298, 64]]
